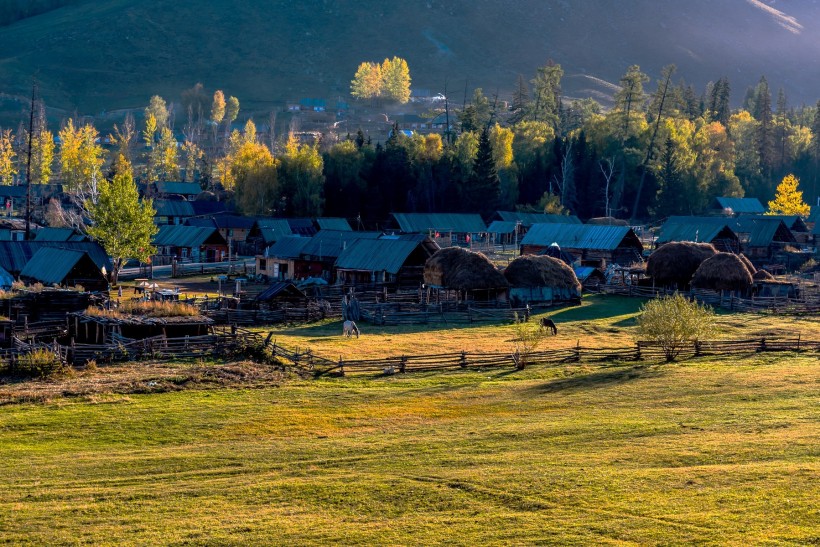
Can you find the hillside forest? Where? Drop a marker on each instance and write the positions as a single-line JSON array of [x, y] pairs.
[[663, 148]]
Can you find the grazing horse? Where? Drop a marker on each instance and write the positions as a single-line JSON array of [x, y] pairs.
[[547, 323], [349, 328]]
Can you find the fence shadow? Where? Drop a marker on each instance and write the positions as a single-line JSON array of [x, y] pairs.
[[599, 379]]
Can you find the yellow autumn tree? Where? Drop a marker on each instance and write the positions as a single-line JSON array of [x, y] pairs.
[[367, 82], [166, 156], [81, 159], [7, 155], [42, 157], [396, 79], [788, 200]]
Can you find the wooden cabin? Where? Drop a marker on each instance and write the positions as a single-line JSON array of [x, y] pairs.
[[199, 244], [445, 228], [593, 245], [714, 230], [64, 268], [388, 259]]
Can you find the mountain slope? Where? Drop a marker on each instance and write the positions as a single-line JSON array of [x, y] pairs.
[[115, 54]]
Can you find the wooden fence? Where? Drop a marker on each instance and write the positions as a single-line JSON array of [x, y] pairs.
[[640, 352]]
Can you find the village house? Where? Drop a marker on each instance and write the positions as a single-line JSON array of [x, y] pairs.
[[265, 232], [714, 230], [737, 206], [395, 259], [185, 190], [445, 228], [65, 268], [194, 243], [233, 228], [282, 260], [593, 245], [172, 211], [14, 255]]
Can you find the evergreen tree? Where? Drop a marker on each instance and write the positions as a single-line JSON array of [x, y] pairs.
[[630, 98], [547, 94], [764, 137], [520, 100], [719, 106], [484, 185]]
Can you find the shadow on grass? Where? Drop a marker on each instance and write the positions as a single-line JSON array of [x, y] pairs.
[[601, 378], [600, 307]]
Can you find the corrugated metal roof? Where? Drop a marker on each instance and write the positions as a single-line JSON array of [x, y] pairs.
[[692, 229], [376, 255], [792, 222], [440, 222], [5, 234], [288, 247], [741, 205], [15, 254], [172, 208], [501, 227], [286, 287], [330, 243], [223, 220], [58, 234], [528, 219], [331, 223], [210, 207], [302, 226], [51, 265], [578, 236], [762, 230], [187, 236], [183, 188]]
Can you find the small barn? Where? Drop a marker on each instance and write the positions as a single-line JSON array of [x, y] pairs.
[[281, 294], [199, 244], [761, 237], [714, 230], [388, 259], [170, 211], [737, 206], [596, 246], [589, 277], [468, 275], [723, 272], [446, 228], [673, 264], [14, 255], [541, 279], [283, 260], [65, 268]]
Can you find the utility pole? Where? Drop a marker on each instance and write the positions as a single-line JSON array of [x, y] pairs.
[[28, 161]]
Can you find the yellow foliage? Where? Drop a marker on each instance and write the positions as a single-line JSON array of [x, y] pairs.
[[7, 155], [502, 142], [789, 200]]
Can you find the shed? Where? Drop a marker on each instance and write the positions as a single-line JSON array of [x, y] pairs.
[[64, 267], [738, 206], [281, 293], [714, 230], [388, 259], [266, 232], [282, 260], [593, 245], [589, 277], [14, 255], [762, 236], [200, 244], [172, 211], [446, 228]]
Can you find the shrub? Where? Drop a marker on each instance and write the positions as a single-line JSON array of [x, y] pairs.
[[40, 363], [674, 322], [528, 336]]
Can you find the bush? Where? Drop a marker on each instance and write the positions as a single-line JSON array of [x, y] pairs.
[[528, 336], [674, 323], [40, 363]]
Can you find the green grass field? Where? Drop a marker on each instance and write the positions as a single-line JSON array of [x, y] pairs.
[[710, 451]]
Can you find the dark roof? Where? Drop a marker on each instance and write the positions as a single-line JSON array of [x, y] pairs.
[[330, 223], [580, 236], [173, 208], [51, 265], [187, 236], [440, 222], [271, 229], [223, 220], [502, 227], [330, 243], [37, 190], [302, 226], [792, 222], [286, 288], [58, 234], [183, 188], [757, 230], [15, 254], [376, 255], [528, 219], [740, 205], [210, 207], [288, 247]]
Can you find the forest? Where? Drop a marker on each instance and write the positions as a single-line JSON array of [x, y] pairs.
[[661, 149]]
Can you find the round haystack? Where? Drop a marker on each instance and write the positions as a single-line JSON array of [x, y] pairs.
[[608, 221], [674, 263], [541, 271], [457, 268], [723, 272], [762, 275], [748, 264]]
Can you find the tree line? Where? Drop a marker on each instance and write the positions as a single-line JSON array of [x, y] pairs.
[[653, 153]]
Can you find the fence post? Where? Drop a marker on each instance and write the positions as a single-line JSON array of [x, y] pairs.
[[577, 357], [463, 362], [637, 351], [403, 364], [341, 366], [762, 345], [697, 348], [798, 341]]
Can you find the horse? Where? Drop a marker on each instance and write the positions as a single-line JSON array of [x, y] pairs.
[[349, 328], [547, 323]]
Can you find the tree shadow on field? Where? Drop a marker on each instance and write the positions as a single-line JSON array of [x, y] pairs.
[[601, 378]]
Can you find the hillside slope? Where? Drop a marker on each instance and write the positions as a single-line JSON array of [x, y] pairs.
[[114, 54]]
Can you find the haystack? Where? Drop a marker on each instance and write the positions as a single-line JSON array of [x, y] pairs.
[[608, 221], [541, 271], [723, 272], [748, 264], [762, 275], [457, 268], [674, 263]]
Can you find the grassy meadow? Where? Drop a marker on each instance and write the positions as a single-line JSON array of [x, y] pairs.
[[708, 451]]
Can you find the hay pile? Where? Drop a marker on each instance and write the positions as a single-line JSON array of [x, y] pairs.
[[541, 271], [723, 272], [607, 221], [762, 275], [748, 264], [674, 263], [457, 268]]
